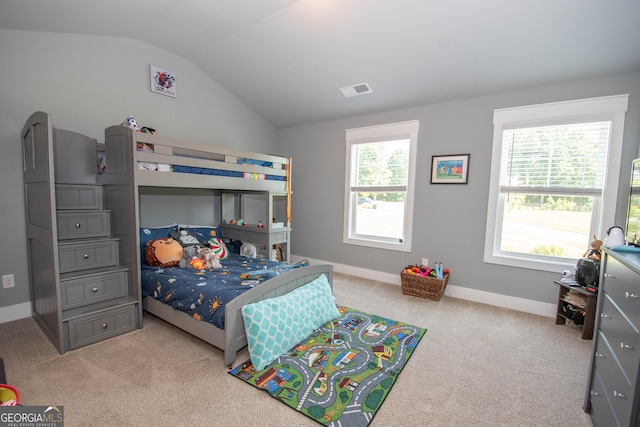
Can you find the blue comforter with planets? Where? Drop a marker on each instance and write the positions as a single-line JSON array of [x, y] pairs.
[[202, 294]]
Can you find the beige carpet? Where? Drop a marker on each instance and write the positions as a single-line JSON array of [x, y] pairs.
[[477, 365]]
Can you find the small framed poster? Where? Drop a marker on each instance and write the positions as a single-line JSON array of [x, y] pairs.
[[450, 169], [162, 81]]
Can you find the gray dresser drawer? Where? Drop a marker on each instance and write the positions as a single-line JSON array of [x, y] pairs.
[[601, 412], [75, 256], [77, 196], [96, 327], [623, 286], [621, 336], [616, 387], [87, 290], [83, 224]]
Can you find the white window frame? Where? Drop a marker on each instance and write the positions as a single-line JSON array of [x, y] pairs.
[[381, 133], [592, 109]]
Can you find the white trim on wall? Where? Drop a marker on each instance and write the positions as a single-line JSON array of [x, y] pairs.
[[15, 312], [460, 292]]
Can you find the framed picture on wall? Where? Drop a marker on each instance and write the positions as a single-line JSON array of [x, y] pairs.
[[162, 81], [450, 169]]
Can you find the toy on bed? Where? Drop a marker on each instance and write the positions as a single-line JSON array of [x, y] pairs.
[[185, 238], [210, 258], [130, 122], [188, 254], [163, 252], [146, 129]]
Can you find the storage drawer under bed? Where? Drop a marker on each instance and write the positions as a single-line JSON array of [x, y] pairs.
[[77, 196], [98, 326], [89, 289], [83, 224], [85, 255]]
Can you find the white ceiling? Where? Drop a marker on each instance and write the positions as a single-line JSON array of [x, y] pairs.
[[287, 59]]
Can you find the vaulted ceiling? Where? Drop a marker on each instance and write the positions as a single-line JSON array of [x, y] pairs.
[[287, 59]]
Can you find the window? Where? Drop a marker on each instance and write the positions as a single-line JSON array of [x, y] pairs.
[[380, 170], [550, 167]]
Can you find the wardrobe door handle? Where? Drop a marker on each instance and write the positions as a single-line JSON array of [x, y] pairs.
[[600, 355], [625, 346], [630, 296], [595, 393], [605, 316], [609, 275]]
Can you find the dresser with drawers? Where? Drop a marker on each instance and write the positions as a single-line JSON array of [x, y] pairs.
[[613, 394], [83, 284]]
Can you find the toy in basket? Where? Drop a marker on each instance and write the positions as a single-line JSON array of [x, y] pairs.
[[9, 396], [424, 282]]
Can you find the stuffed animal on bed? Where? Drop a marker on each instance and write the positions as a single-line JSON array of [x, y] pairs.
[[210, 258], [196, 263], [163, 252], [185, 238], [188, 253], [130, 122]]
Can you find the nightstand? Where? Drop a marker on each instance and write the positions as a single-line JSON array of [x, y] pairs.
[[589, 307]]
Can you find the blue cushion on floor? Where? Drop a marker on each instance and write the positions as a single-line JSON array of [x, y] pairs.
[[275, 325]]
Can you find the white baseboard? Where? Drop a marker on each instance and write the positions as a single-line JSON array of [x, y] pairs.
[[15, 312], [20, 311], [460, 292]]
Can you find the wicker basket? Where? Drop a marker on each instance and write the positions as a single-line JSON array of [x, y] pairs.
[[423, 286]]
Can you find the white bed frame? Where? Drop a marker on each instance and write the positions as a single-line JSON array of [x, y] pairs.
[[121, 185]]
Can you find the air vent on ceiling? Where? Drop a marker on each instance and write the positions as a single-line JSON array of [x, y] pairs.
[[357, 89]]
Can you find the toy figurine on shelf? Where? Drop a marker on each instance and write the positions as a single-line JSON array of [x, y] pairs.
[[594, 250], [260, 224]]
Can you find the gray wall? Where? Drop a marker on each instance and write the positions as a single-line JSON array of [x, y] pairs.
[[449, 219], [87, 84]]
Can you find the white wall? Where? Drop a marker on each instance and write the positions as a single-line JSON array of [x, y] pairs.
[[87, 84], [449, 219]]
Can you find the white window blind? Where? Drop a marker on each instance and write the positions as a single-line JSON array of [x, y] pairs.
[[567, 159]]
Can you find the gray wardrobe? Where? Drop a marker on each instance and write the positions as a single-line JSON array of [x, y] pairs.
[[84, 286]]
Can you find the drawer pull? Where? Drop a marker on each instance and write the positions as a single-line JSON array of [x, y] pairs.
[[86, 256], [630, 296], [609, 275], [605, 316], [619, 395], [94, 290], [78, 225], [625, 346], [105, 326]]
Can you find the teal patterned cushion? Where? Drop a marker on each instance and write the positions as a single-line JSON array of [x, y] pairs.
[[275, 325]]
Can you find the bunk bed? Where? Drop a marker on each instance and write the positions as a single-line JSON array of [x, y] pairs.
[[135, 161]]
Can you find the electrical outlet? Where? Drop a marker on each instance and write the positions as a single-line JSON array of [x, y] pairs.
[[425, 261], [8, 281]]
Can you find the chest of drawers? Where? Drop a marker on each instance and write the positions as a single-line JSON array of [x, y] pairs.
[[612, 394]]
